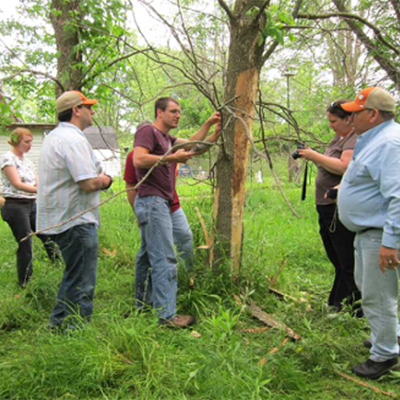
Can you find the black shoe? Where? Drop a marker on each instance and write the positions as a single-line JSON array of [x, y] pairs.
[[367, 343], [372, 369]]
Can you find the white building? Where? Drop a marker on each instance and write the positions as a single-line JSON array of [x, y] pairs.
[[103, 140]]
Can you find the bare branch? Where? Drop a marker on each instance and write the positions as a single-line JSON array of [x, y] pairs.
[[347, 15], [31, 71], [124, 57], [251, 141], [396, 6], [228, 11], [261, 10]]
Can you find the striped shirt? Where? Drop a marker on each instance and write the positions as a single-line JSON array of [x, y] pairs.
[[65, 159]]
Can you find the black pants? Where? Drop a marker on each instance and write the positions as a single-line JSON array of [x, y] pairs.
[[20, 215], [338, 242]]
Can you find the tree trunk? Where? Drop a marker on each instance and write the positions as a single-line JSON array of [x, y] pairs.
[[66, 33], [244, 64]]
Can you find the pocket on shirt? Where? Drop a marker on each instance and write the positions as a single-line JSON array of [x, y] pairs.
[[355, 172]]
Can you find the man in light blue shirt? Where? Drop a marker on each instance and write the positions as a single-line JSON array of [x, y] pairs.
[[70, 180], [369, 204]]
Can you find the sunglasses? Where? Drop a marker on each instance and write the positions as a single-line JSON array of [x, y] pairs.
[[89, 107], [334, 104]]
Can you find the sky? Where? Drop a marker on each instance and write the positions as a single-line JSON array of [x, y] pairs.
[[154, 31]]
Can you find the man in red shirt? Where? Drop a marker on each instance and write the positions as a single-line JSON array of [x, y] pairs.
[[183, 236], [152, 207]]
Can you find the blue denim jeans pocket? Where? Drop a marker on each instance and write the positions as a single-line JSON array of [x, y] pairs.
[[141, 211]]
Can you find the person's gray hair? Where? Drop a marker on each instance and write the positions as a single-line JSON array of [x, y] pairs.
[[386, 115]]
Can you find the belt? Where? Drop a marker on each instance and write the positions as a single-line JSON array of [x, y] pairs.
[[18, 200], [368, 229]]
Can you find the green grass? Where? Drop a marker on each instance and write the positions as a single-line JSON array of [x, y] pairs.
[[123, 355]]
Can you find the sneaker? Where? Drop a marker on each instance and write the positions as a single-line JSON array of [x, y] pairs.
[[368, 344], [179, 321], [372, 369]]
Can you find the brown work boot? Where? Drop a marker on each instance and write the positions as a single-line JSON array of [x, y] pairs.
[[179, 321]]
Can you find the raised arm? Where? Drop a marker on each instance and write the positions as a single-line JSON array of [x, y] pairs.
[[203, 131]]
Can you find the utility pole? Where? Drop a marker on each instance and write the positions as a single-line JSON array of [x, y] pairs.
[[292, 164]]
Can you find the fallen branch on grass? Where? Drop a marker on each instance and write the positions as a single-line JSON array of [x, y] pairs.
[[268, 320], [289, 297], [274, 279], [274, 350], [255, 330], [280, 345], [367, 385]]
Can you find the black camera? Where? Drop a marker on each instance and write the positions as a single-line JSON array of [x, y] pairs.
[[331, 193], [295, 154]]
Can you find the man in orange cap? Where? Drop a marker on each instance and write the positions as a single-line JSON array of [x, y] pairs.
[[369, 204], [70, 180]]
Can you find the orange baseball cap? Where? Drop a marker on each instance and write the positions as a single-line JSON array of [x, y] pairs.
[[71, 99], [372, 98]]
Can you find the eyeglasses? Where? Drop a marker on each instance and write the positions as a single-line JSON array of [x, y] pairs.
[[359, 112], [89, 107]]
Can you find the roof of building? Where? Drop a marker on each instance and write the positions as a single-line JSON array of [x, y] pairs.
[[102, 137], [28, 125]]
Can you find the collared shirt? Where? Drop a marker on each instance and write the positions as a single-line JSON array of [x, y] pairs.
[[65, 159], [369, 195]]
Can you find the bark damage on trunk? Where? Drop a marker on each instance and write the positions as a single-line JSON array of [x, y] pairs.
[[245, 61]]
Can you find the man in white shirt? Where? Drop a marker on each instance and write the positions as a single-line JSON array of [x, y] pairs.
[[70, 180]]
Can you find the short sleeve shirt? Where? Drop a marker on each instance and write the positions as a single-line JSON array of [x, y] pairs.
[[161, 181], [26, 171], [326, 179], [66, 158], [130, 177]]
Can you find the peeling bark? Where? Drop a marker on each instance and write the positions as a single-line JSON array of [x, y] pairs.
[[245, 61]]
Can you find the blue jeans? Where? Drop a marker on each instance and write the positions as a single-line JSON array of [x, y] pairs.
[[78, 246], [183, 237], [156, 257], [379, 293]]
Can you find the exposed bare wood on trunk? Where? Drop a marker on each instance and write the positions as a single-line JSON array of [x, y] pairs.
[[246, 88], [67, 41], [244, 64]]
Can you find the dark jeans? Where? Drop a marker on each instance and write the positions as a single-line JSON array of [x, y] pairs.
[[20, 215], [78, 246], [339, 246]]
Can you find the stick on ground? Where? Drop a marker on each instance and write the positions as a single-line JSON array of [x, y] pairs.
[[268, 320], [367, 385]]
